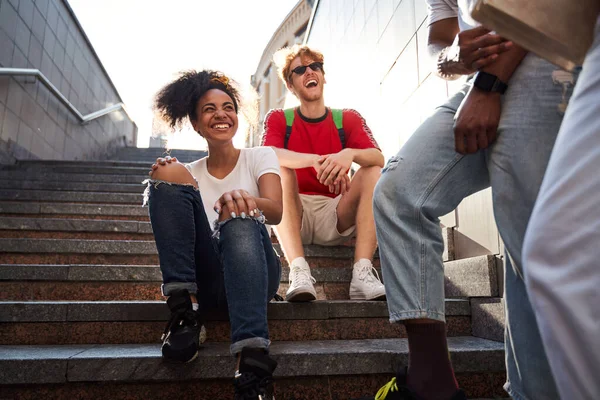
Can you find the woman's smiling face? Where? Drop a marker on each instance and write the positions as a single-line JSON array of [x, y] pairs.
[[217, 118]]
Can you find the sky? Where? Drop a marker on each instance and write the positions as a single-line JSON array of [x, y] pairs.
[[144, 43]]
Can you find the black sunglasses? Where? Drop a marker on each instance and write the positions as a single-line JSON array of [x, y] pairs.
[[300, 70]]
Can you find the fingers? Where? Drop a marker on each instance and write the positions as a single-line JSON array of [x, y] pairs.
[[239, 203], [250, 202], [486, 40], [484, 62], [487, 51], [225, 213], [333, 175], [324, 165], [482, 140], [345, 184], [459, 140], [326, 173], [227, 199], [471, 140]]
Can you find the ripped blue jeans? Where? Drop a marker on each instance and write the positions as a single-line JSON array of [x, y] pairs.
[[428, 179], [237, 269]]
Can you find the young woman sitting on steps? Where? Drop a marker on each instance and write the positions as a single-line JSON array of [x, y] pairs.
[[232, 260]]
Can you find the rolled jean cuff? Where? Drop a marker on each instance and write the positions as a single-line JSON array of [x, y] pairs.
[[254, 343], [168, 288], [417, 314]]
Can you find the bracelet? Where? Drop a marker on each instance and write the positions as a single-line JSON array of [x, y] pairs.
[[442, 63]]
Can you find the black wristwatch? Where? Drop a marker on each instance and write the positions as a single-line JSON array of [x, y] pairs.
[[489, 83]]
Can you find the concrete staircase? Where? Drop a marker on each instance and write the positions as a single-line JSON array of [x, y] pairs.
[[81, 312]]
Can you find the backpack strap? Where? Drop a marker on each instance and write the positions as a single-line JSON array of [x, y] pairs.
[[289, 121], [338, 120]]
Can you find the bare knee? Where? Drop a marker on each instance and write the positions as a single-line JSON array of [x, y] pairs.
[[174, 173], [367, 176]]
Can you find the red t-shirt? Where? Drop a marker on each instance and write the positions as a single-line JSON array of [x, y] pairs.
[[316, 136]]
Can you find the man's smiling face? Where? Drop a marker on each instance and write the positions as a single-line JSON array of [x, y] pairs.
[[307, 86]]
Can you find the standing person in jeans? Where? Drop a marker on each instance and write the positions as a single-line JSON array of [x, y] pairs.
[[561, 252], [316, 147], [497, 131], [233, 262]]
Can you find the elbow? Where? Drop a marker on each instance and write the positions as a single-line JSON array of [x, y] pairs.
[[380, 159]]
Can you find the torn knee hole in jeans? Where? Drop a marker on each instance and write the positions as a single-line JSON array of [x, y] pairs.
[[218, 225], [392, 164], [157, 182]]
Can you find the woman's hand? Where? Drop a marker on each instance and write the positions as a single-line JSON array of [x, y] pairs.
[[236, 203], [161, 161]]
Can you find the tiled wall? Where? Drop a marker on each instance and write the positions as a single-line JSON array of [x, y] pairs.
[[376, 61], [44, 34]]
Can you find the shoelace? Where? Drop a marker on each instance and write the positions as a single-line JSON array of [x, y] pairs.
[[180, 318], [369, 272], [300, 276], [391, 386]]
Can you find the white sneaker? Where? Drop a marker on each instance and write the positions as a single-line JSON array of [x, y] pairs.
[[301, 284], [366, 284]]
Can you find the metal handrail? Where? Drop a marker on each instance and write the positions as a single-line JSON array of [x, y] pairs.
[[84, 119]]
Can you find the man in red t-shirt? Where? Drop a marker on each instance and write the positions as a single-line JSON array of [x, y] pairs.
[[321, 205]]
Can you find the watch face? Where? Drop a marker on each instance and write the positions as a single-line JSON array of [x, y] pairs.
[[485, 81]]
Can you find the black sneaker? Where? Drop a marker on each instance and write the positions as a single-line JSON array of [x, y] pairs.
[[254, 380], [185, 330], [396, 389]]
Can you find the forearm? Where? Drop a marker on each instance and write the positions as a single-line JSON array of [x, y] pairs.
[[272, 210], [367, 157], [507, 63], [294, 160]]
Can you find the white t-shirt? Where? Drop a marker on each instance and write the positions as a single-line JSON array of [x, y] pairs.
[[443, 9], [252, 164]]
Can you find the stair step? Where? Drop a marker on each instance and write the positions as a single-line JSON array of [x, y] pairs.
[[73, 186], [477, 386], [477, 276], [74, 209], [488, 318], [140, 169], [142, 362], [113, 322], [71, 196], [72, 177], [77, 281], [76, 225]]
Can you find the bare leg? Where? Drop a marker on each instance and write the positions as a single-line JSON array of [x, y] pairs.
[[288, 230], [356, 208]]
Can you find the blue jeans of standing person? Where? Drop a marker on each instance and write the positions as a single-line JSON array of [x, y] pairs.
[[237, 267], [428, 179]]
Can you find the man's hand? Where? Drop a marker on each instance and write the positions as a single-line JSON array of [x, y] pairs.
[[161, 161], [476, 121], [236, 203], [341, 185], [334, 165], [472, 50]]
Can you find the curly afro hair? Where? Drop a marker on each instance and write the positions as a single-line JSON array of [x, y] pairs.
[[178, 99]]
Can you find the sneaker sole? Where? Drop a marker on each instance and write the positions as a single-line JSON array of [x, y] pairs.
[[380, 297], [300, 297]]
